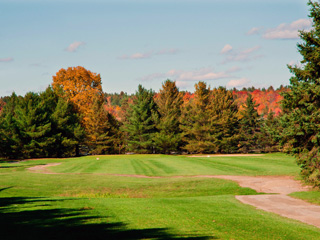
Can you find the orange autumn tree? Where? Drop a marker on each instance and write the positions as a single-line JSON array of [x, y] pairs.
[[83, 88]]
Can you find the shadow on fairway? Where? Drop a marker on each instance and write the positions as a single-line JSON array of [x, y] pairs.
[[17, 221]]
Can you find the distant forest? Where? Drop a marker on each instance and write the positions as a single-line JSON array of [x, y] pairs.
[[267, 99]]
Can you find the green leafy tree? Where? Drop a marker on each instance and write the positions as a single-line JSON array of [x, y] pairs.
[[140, 125], [301, 119], [169, 101], [249, 126]]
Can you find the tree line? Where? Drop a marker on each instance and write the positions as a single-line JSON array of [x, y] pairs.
[[71, 118]]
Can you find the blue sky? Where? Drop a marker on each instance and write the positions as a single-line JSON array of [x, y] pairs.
[[231, 43]]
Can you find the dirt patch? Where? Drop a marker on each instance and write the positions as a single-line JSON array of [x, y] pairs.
[[43, 168], [278, 203], [268, 184], [228, 155], [285, 206]]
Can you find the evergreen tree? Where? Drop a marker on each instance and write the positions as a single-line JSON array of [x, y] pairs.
[[9, 132], [301, 119], [105, 135], [270, 133], [66, 131], [169, 101], [140, 125], [34, 125], [225, 121], [196, 124], [39, 126], [250, 126]]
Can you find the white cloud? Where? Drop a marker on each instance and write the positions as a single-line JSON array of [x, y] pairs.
[[234, 69], [6, 59], [183, 85], [242, 55], [288, 31], [150, 54], [167, 51], [152, 77], [203, 74], [137, 56], [74, 46], [238, 82], [226, 48], [253, 31]]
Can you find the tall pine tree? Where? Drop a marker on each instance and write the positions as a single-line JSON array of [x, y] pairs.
[[225, 121], [140, 125], [105, 135], [9, 132], [39, 125], [169, 101], [250, 126], [301, 119], [196, 124], [66, 130], [34, 126]]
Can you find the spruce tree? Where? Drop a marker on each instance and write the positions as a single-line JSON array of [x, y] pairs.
[[10, 143], [271, 130], [66, 130], [169, 101], [105, 135], [140, 125], [301, 119], [249, 126], [225, 121], [196, 122], [34, 125]]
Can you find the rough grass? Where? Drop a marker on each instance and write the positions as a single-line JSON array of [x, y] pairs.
[[87, 203]]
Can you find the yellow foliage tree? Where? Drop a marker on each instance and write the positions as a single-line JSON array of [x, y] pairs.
[[83, 88]]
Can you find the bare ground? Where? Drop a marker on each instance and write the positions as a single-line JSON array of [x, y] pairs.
[[278, 202], [43, 168]]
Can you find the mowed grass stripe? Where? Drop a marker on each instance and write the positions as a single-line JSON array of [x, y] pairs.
[[162, 165]]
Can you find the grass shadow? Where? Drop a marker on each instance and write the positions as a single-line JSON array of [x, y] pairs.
[[17, 221]]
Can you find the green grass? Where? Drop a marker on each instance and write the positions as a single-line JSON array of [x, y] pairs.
[[86, 202], [312, 196], [162, 165]]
